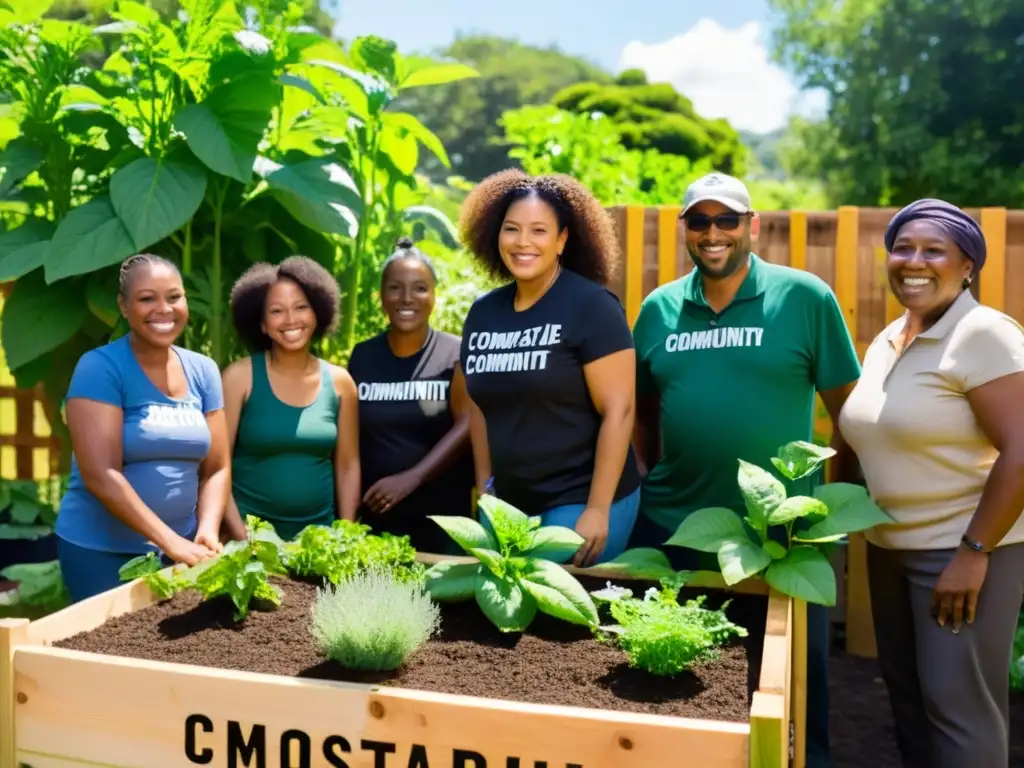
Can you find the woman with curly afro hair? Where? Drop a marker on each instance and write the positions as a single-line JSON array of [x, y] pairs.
[[549, 361], [292, 417]]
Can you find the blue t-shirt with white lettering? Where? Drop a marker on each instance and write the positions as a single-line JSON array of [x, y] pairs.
[[164, 439]]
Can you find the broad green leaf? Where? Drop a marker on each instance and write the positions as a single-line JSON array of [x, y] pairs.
[[558, 593], [24, 249], [761, 491], [26, 11], [465, 531], [800, 458], [9, 532], [101, 295], [641, 563], [297, 81], [317, 193], [17, 160], [128, 10], [774, 549], [850, 509], [555, 543], [490, 504], [805, 574], [438, 75], [406, 123], [706, 529], [796, 507], [434, 219], [452, 581], [38, 318], [224, 130], [90, 237], [492, 560], [156, 198], [139, 566], [506, 604], [5, 494], [401, 149], [740, 559], [25, 511]]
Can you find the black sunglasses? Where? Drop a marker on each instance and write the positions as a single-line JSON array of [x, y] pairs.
[[701, 222]]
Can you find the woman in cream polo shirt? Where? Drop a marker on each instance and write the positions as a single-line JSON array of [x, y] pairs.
[[938, 425]]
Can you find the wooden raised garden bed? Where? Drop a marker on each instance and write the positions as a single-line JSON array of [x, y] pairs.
[[61, 707]]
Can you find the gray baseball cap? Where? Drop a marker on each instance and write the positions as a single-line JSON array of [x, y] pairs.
[[724, 189]]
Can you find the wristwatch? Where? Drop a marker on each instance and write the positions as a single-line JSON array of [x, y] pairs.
[[974, 544]]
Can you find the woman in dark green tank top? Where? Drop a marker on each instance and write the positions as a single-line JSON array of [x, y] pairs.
[[292, 417]]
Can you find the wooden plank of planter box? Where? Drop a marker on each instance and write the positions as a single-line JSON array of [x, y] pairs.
[[120, 711]]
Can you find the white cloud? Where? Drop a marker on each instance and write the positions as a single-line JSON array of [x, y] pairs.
[[725, 73]]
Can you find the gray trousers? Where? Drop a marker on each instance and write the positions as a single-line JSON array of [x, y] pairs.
[[949, 692]]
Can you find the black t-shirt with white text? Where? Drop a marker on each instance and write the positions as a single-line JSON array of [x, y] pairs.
[[524, 370], [404, 410]]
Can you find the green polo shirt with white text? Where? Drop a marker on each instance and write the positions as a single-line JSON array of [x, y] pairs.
[[735, 385]]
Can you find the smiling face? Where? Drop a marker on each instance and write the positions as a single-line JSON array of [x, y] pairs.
[[288, 317], [407, 294], [155, 308], [530, 240], [723, 247], [926, 268]]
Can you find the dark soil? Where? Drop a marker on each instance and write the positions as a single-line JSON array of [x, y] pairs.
[[861, 729], [552, 663]]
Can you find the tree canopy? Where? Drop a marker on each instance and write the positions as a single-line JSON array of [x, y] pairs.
[[925, 98]]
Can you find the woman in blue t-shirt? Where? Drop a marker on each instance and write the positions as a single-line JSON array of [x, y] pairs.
[[150, 463], [549, 360]]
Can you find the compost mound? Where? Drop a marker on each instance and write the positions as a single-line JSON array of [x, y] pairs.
[[553, 662]]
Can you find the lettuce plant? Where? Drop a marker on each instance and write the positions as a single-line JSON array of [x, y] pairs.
[[241, 571], [345, 548], [660, 635], [798, 566], [517, 572], [373, 619]]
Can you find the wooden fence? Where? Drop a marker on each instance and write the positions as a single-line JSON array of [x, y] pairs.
[[843, 247], [27, 448]]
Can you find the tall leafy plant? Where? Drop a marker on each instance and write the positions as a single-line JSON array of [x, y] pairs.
[[216, 138], [784, 537]]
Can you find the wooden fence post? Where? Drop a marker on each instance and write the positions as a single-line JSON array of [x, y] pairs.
[[668, 226], [993, 279], [634, 261], [860, 630]]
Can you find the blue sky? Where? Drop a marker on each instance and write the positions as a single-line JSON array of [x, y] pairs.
[[715, 53]]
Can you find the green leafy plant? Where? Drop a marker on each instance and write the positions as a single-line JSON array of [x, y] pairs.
[[25, 510], [660, 635], [373, 620], [241, 571], [346, 548], [517, 572], [798, 566], [41, 590]]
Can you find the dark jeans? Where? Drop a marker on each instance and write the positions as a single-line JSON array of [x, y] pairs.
[[648, 534]]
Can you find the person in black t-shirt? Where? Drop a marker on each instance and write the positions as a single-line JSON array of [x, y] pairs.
[[413, 412], [549, 360]]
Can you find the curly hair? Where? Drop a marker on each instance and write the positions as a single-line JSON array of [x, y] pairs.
[[249, 296], [592, 248]]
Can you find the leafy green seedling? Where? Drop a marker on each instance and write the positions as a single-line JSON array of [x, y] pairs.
[[799, 567], [345, 548], [518, 572], [660, 635], [241, 571]]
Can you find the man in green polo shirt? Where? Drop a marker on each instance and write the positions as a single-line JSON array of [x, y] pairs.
[[729, 359]]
